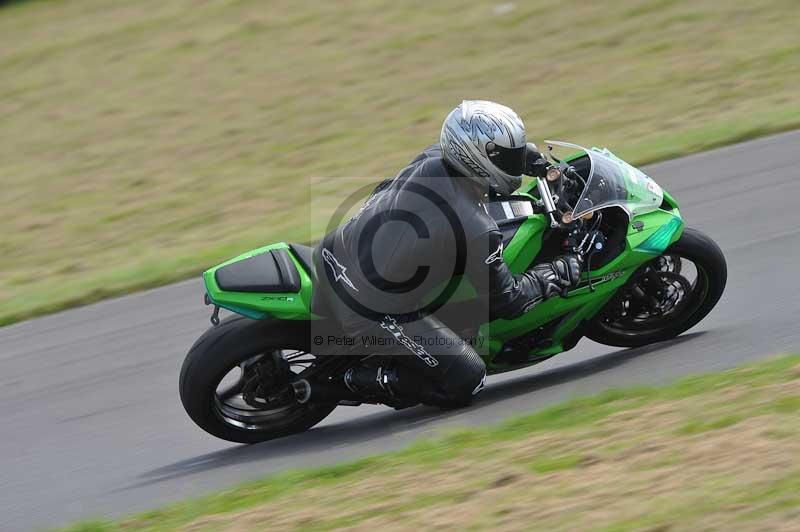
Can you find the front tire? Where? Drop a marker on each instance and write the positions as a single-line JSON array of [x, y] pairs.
[[626, 322], [242, 343]]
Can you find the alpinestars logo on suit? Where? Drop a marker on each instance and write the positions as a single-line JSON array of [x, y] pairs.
[[337, 269], [496, 255]]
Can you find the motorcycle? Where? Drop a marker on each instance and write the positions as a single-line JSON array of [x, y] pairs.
[[258, 375]]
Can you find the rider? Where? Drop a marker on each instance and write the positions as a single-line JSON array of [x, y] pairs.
[[424, 228]]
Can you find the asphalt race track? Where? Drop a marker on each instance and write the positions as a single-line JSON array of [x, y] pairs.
[[92, 424]]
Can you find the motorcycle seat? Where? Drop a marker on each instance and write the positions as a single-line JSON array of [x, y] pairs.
[[272, 271], [305, 256]]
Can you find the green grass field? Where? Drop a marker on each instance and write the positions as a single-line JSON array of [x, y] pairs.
[[714, 452], [144, 141]]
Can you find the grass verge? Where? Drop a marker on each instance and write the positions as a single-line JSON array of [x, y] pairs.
[[145, 141], [717, 451]]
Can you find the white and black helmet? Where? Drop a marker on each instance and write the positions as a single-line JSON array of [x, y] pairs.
[[485, 141]]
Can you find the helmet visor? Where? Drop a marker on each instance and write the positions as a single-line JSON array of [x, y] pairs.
[[509, 160]]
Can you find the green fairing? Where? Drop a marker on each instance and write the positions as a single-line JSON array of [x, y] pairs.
[[295, 306], [527, 241], [662, 238], [582, 303], [648, 234]]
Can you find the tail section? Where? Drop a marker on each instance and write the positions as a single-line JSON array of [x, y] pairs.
[[275, 280]]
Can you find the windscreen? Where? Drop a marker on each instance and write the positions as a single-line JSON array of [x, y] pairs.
[[614, 183]]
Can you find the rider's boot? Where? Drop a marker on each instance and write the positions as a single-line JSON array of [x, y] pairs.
[[371, 381], [387, 384]]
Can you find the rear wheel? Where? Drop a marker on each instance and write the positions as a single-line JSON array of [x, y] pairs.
[[235, 379], [666, 296]]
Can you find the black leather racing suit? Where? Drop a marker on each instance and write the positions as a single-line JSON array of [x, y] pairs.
[[414, 234]]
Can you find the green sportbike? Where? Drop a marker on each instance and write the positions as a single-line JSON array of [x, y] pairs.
[[259, 374]]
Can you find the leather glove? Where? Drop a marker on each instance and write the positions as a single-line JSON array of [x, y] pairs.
[[535, 163], [562, 273]]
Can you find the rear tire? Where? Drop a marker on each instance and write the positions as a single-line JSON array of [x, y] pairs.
[[219, 350], [712, 275]]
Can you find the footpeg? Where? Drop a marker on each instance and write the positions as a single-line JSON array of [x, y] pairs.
[[302, 391]]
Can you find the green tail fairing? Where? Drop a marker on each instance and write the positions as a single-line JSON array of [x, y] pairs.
[[282, 305]]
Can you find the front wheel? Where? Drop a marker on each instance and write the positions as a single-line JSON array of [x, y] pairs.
[[234, 382], [666, 296]]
